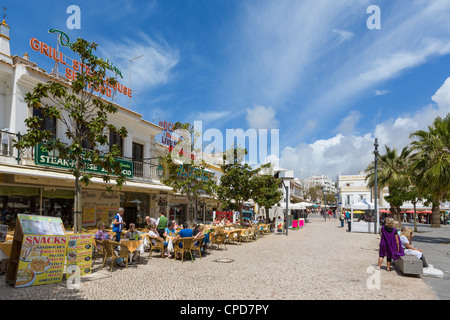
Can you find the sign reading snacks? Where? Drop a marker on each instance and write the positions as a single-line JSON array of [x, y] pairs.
[[39, 252], [43, 158]]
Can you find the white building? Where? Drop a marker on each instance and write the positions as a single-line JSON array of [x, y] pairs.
[[28, 185], [353, 188]]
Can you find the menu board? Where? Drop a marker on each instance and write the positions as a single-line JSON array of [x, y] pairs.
[[79, 255], [279, 226], [41, 225], [42, 260], [88, 215], [3, 232], [102, 214]]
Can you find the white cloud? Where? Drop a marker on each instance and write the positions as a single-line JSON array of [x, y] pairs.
[[261, 117], [349, 123], [154, 68], [381, 92], [344, 35], [349, 153]]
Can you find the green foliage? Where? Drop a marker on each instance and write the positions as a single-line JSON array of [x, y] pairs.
[[83, 115], [190, 185], [264, 190]]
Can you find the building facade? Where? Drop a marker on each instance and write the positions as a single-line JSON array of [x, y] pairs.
[[35, 183]]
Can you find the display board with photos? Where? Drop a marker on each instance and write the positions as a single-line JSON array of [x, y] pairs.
[[79, 255], [3, 232], [38, 251]]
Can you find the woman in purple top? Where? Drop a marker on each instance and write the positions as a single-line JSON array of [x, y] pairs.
[[390, 244]]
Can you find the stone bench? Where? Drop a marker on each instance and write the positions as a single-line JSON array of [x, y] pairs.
[[410, 265]]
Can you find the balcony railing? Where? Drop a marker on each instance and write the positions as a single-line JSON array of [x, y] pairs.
[[7, 149], [144, 170]]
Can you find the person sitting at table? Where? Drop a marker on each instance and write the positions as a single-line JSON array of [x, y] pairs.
[[133, 234], [101, 234], [154, 233], [186, 232], [150, 221], [170, 230], [196, 229]]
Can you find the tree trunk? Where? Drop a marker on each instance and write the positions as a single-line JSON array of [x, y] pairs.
[[415, 218], [435, 216], [77, 214], [396, 212]]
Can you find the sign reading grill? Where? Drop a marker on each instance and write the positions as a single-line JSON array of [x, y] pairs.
[[42, 158]]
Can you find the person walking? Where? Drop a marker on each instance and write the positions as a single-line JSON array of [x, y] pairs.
[[118, 223], [161, 224], [342, 218]]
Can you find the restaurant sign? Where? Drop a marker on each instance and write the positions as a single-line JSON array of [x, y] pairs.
[[43, 158], [197, 173]]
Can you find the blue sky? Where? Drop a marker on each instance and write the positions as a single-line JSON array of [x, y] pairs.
[[311, 69]]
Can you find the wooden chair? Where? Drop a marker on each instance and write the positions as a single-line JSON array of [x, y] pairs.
[[186, 247], [158, 246], [245, 235], [197, 247], [219, 239], [99, 250], [110, 253]]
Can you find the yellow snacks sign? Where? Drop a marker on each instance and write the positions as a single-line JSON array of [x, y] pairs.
[[42, 260], [79, 255]]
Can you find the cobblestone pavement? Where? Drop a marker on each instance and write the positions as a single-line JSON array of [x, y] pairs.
[[321, 261]]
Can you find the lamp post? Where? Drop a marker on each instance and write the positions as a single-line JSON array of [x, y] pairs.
[[325, 201], [129, 85], [376, 186]]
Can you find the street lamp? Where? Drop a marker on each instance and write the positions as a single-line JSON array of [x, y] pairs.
[[325, 201], [129, 85], [376, 186], [286, 175]]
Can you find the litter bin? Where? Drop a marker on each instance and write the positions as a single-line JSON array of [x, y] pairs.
[[349, 226]]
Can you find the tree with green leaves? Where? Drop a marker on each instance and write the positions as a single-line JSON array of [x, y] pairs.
[[183, 173], [431, 162], [391, 172], [265, 190], [83, 112], [235, 184]]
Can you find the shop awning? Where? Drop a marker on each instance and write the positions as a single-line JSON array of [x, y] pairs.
[[68, 177]]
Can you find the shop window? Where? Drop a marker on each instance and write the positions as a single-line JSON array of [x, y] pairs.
[[15, 200]]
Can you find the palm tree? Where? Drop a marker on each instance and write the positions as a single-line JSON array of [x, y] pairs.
[[391, 173], [431, 160]]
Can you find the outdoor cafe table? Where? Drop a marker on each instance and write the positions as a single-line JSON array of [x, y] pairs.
[[132, 245], [6, 247]]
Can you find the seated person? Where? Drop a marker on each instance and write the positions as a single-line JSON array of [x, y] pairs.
[[133, 234], [101, 234], [170, 230], [196, 229], [184, 233], [154, 233], [406, 239]]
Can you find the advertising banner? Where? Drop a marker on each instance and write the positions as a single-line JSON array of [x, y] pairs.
[[79, 255], [41, 260]]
